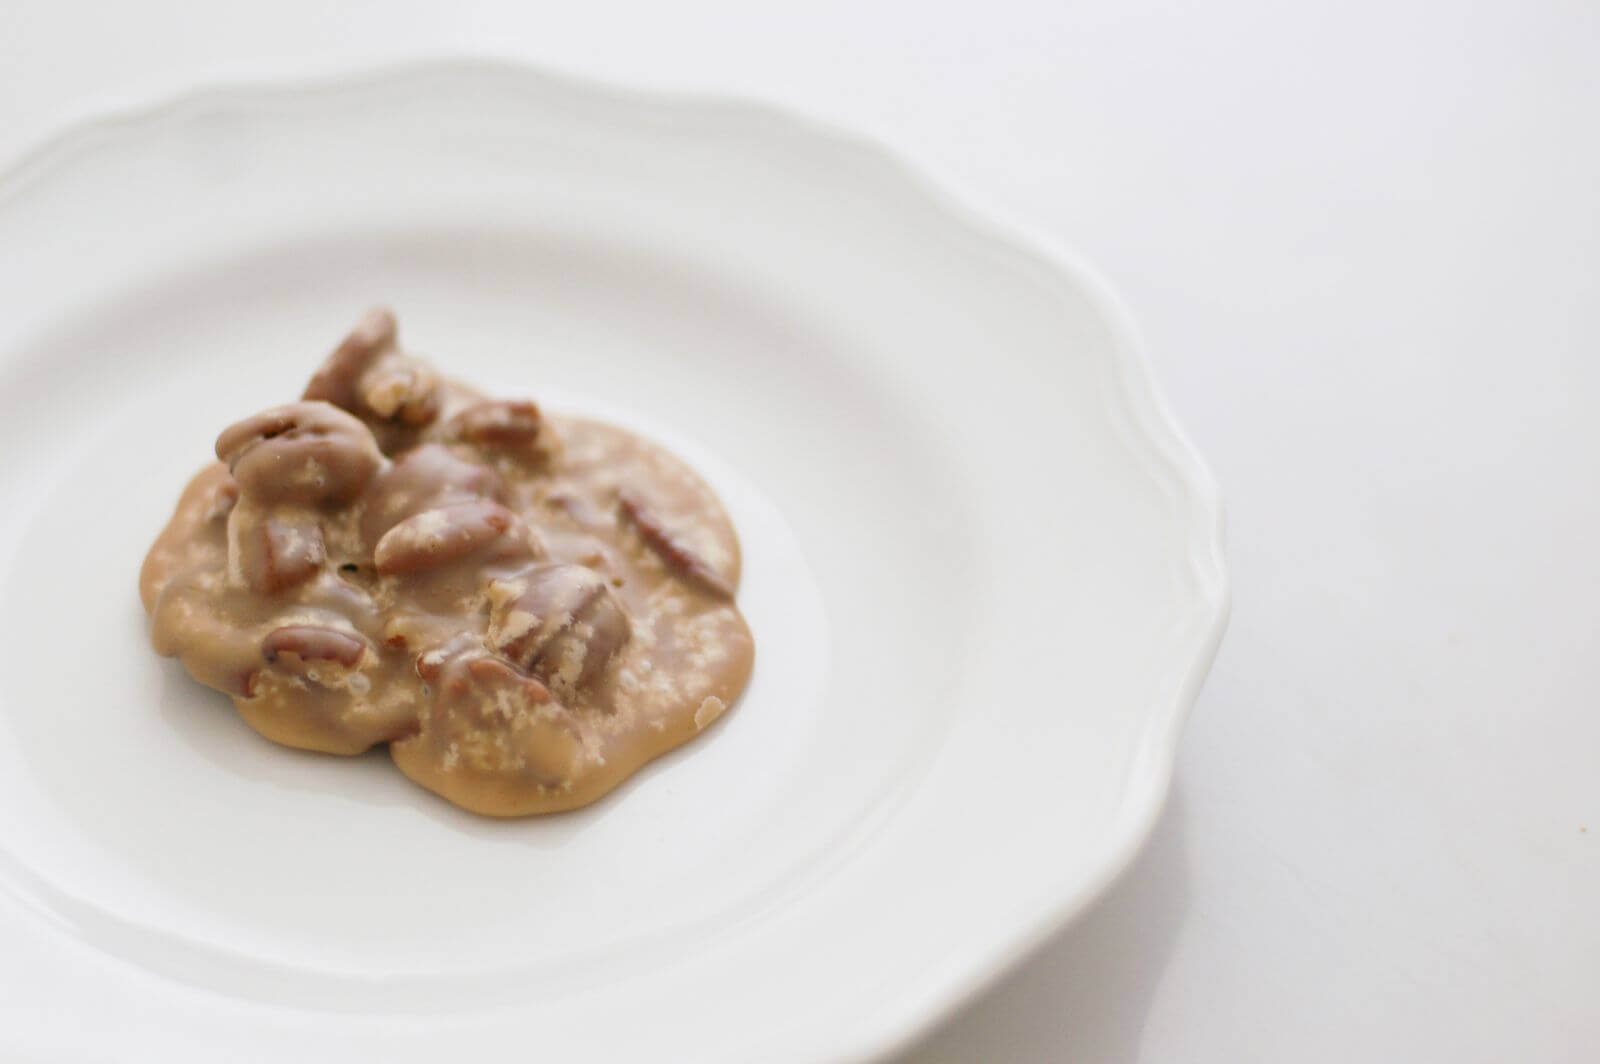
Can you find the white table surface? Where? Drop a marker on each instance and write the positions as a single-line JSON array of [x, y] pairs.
[[1364, 244]]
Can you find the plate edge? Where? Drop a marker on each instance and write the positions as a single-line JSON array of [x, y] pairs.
[[916, 1012]]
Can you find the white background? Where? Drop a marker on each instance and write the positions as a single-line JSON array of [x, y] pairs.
[[1364, 243]]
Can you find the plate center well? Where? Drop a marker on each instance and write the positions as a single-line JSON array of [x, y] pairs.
[[140, 810]]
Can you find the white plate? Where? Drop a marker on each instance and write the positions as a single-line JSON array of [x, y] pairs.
[[983, 570]]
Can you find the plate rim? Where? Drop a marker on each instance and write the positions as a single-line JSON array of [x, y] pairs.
[[904, 1018]]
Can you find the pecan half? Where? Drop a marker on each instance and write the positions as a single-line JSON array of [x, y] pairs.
[[463, 673], [559, 622], [303, 648], [485, 716], [447, 534], [501, 423], [426, 478], [367, 374], [303, 452], [671, 547], [272, 552]]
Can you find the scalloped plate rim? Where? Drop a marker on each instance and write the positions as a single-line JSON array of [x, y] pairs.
[[905, 1017]]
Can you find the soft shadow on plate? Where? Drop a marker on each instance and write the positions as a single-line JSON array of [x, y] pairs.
[[1085, 996]]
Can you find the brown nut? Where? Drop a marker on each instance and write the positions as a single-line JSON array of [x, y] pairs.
[[308, 650], [486, 717], [367, 374], [335, 381], [303, 452], [426, 478], [671, 547], [450, 533], [273, 552], [559, 622], [430, 664], [499, 423], [401, 389], [460, 668]]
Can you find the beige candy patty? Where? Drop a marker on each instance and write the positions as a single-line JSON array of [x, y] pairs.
[[525, 608]]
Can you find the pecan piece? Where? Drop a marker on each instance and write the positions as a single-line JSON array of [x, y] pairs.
[[426, 478], [273, 552], [671, 547], [367, 374], [559, 622], [502, 423], [447, 534], [401, 390], [308, 649], [458, 675], [486, 717], [303, 452]]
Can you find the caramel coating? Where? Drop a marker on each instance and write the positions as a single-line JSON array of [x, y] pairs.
[[526, 608]]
